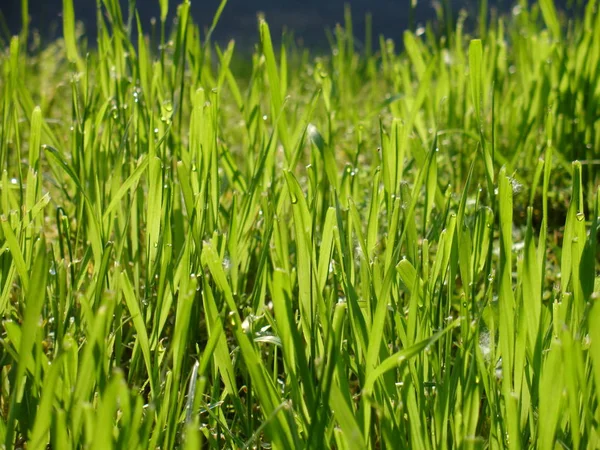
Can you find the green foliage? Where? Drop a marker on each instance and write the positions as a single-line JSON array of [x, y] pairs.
[[379, 250]]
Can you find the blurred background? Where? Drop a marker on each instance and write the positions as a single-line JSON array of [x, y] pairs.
[[307, 18]]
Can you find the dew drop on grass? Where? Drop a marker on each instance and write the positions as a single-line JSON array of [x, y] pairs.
[[580, 216], [246, 325], [226, 263], [13, 181]]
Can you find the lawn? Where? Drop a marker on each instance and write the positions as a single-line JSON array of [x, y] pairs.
[[390, 245]]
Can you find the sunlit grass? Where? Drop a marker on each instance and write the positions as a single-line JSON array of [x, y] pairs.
[[364, 249]]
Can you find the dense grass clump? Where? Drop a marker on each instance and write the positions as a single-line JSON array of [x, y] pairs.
[[374, 249]]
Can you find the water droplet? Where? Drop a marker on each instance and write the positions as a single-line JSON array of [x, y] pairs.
[[580, 217], [226, 263]]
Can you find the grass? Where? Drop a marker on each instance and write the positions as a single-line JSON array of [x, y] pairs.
[[377, 249]]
